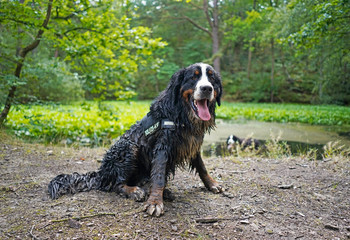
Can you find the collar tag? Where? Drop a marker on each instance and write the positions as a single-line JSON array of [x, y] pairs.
[[151, 129], [168, 124]]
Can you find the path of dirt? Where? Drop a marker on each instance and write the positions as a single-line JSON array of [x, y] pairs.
[[265, 199]]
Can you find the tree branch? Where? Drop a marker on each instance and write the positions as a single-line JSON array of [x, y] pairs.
[[206, 11], [198, 26], [195, 6], [36, 42], [20, 21]]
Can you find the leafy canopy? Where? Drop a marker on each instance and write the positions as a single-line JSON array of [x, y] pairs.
[[95, 38]]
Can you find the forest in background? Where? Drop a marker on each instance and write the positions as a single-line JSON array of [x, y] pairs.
[[266, 50]]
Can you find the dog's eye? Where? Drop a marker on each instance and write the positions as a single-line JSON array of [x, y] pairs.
[[210, 72], [196, 72]]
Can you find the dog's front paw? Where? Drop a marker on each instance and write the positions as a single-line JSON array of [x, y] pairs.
[[211, 184], [154, 208]]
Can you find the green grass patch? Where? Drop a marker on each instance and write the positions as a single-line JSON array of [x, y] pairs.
[[90, 123], [310, 114]]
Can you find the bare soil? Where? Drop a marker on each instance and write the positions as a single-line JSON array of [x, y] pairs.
[[280, 198]]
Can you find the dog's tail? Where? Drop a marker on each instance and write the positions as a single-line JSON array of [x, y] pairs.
[[72, 183]]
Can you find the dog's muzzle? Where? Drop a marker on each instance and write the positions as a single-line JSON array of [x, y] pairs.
[[200, 102]]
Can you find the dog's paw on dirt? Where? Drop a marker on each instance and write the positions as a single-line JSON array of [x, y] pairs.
[[154, 209], [217, 188]]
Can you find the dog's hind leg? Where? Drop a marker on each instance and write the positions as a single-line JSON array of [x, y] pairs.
[[120, 171], [208, 181]]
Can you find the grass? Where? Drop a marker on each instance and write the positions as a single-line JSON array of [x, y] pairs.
[[88, 123], [92, 123], [310, 114]]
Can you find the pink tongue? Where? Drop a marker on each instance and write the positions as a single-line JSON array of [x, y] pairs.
[[203, 111]]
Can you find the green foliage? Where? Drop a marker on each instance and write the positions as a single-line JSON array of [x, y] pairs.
[[18, 27], [311, 114], [320, 37], [87, 123], [123, 49], [91, 123], [50, 80], [94, 44], [101, 45]]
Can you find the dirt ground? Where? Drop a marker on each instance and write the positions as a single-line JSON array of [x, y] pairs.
[[281, 198]]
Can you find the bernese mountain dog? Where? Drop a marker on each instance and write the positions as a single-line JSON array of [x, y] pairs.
[[233, 141], [139, 164]]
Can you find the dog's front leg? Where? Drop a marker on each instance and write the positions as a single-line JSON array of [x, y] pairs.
[[208, 181], [154, 205]]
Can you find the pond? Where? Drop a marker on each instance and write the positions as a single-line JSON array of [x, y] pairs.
[[296, 135]]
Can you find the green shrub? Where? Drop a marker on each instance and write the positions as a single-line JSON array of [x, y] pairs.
[[49, 80]]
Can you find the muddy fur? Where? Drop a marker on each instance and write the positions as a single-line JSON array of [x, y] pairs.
[[147, 162]]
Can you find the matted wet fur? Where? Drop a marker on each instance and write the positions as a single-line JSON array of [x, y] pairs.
[[138, 165]]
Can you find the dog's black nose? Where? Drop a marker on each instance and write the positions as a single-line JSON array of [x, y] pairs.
[[206, 89]]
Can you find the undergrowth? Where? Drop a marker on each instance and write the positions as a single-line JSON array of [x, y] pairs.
[[276, 149], [88, 123], [310, 114], [97, 123]]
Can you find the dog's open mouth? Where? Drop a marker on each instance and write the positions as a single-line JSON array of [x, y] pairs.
[[200, 108]]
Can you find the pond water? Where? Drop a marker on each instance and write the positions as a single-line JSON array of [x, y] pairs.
[[297, 135]]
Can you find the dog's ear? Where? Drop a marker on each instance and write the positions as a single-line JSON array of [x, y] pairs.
[[219, 91], [218, 97], [175, 84]]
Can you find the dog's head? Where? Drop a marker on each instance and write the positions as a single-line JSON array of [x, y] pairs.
[[199, 88], [232, 141]]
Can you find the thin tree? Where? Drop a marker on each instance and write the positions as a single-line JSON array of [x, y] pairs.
[[22, 53], [272, 69], [250, 51], [213, 32]]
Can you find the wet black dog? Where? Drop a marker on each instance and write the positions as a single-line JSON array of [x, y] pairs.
[[232, 142], [170, 135]]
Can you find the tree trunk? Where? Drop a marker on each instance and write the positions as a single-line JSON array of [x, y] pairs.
[[320, 83], [249, 58], [214, 32], [272, 68], [22, 54], [285, 70], [250, 52], [216, 37]]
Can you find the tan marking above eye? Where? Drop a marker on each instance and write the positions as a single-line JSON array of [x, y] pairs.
[[196, 72]]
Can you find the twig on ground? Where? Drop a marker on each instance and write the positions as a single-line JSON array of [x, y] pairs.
[[32, 234], [236, 172], [212, 219], [83, 217], [286, 186]]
